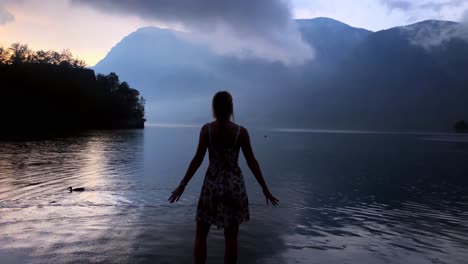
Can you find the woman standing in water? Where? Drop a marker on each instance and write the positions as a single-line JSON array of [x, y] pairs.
[[223, 200]]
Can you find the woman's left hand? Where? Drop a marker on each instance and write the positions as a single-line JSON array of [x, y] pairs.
[[176, 194], [270, 197]]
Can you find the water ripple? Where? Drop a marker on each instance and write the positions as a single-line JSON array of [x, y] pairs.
[[344, 198]]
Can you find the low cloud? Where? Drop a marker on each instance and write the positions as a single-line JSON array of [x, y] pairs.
[[398, 4], [5, 16], [244, 28], [435, 34], [464, 18], [434, 5]]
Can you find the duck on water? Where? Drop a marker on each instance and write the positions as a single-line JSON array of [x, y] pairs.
[[76, 189]]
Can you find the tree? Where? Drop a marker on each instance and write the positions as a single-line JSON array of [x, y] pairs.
[[4, 55], [42, 57], [55, 93], [21, 54], [461, 126]]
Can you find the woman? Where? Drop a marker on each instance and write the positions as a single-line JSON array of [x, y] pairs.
[[223, 201]]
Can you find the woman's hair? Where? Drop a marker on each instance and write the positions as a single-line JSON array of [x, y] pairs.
[[223, 108]]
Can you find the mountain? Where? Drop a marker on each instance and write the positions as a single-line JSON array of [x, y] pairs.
[[408, 84], [390, 79], [152, 56], [331, 39]]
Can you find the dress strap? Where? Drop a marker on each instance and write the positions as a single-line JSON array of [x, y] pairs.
[[237, 135], [209, 134]]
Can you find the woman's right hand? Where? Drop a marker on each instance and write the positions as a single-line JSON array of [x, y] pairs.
[[176, 194], [269, 197]]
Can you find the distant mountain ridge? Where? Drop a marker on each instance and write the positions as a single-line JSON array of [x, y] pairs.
[[331, 38], [359, 80]]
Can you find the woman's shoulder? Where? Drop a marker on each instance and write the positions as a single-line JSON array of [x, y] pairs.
[[242, 129], [213, 124], [239, 126], [204, 129]]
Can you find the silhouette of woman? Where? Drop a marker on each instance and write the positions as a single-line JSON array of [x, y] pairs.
[[223, 200]]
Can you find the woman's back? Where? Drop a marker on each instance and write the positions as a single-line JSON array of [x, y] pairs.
[[223, 141]]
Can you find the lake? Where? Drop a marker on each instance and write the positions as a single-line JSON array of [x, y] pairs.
[[345, 197]]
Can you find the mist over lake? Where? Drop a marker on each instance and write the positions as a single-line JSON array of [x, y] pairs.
[[392, 79], [346, 197]]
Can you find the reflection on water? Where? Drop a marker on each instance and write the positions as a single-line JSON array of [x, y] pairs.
[[345, 198]]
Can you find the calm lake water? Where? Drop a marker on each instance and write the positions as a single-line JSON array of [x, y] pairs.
[[345, 197]]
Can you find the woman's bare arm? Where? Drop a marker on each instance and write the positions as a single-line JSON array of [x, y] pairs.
[[194, 164], [254, 166], [199, 156]]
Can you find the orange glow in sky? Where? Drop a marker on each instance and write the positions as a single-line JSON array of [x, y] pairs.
[[87, 33], [90, 34]]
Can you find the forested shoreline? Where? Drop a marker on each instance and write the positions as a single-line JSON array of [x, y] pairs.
[[48, 93]]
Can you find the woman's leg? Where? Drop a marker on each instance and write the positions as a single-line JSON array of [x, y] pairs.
[[200, 242], [230, 236]]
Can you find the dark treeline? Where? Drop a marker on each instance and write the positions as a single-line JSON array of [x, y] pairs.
[[46, 93], [461, 126]]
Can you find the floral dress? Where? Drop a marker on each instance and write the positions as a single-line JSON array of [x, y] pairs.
[[223, 199]]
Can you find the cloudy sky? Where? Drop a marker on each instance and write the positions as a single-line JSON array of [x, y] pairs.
[[90, 28]]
